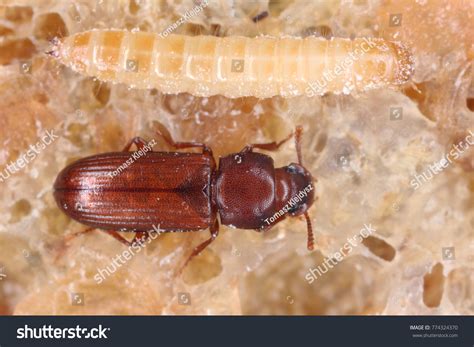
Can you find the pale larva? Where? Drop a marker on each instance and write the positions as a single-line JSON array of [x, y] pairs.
[[236, 66]]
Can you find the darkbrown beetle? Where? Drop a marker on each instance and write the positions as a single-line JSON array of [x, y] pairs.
[[185, 191]]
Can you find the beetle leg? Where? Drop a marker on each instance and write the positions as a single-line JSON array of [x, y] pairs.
[[63, 245], [141, 143], [270, 146], [140, 236], [197, 250], [163, 132], [70, 237]]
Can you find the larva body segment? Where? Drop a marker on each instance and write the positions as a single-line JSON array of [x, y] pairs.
[[236, 66]]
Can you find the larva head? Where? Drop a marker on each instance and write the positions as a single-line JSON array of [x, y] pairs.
[[72, 50], [295, 189]]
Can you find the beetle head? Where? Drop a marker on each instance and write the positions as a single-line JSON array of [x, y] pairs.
[[295, 189]]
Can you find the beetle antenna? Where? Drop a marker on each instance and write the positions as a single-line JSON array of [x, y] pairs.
[[298, 133], [310, 232]]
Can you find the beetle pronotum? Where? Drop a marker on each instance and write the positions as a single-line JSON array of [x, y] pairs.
[[236, 66]]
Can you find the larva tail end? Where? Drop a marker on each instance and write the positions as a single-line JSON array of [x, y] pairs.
[[405, 63]]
